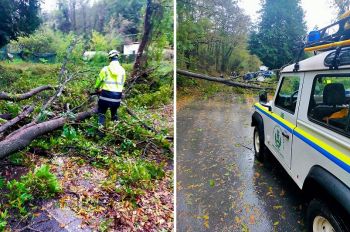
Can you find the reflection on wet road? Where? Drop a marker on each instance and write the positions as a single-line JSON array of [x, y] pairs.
[[220, 186]]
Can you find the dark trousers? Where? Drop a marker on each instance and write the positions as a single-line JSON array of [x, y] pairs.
[[104, 105]]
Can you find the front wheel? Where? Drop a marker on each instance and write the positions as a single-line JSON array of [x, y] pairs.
[[259, 146], [320, 218]]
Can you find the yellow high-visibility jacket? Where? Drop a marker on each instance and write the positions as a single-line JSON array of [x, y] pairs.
[[111, 78]]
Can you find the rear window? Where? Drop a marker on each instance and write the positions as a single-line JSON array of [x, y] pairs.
[[329, 103]]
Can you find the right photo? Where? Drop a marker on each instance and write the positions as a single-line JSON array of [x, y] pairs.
[[263, 123]]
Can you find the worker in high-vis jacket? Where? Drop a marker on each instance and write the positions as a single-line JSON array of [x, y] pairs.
[[109, 85]]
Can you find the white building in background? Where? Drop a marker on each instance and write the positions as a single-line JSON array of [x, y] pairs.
[[131, 49]]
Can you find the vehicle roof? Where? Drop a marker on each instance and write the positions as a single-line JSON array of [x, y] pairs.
[[312, 64]]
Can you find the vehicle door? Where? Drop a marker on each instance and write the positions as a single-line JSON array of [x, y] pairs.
[[279, 134]]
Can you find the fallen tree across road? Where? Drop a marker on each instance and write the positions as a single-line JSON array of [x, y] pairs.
[[220, 80]]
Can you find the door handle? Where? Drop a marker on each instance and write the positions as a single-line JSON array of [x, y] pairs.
[[285, 135]]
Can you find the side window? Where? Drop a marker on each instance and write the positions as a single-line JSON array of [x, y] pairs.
[[329, 103], [288, 93]]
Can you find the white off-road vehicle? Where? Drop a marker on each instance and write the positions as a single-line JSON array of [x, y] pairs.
[[307, 127]]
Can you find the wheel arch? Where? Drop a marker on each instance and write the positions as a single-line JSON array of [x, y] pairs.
[[321, 183], [257, 121]]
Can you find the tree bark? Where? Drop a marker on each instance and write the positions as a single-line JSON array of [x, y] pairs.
[[20, 97], [6, 116], [27, 111], [24, 137], [220, 80], [147, 29]]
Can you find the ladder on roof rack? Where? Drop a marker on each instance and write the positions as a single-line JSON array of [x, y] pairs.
[[320, 40]]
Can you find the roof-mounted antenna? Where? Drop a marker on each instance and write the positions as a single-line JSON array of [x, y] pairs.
[[300, 54]]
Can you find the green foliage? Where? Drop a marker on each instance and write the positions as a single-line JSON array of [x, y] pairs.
[[213, 38], [163, 36], [17, 158], [3, 219], [18, 196], [2, 182], [42, 183], [18, 17], [41, 41], [45, 40], [38, 184], [126, 14], [99, 59], [281, 28], [161, 97], [100, 42], [12, 108], [69, 132], [137, 173], [132, 176]]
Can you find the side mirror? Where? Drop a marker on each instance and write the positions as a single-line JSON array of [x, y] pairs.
[[263, 97], [263, 100]]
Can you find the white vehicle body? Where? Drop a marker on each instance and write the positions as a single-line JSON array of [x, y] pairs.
[[299, 142]]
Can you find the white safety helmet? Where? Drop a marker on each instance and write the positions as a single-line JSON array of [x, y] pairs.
[[113, 53]]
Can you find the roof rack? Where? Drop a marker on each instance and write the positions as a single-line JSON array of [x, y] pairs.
[[320, 40]]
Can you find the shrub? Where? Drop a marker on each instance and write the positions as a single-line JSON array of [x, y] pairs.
[[38, 184], [3, 218], [40, 42], [161, 97], [105, 43]]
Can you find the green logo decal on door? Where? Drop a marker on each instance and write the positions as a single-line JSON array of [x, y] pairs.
[[278, 140]]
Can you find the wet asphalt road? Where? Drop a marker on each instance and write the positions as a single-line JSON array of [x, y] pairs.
[[220, 186]]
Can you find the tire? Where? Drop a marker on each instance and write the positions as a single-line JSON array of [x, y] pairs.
[[259, 144], [319, 218]]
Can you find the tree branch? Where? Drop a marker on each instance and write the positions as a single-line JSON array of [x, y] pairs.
[[27, 111], [20, 97]]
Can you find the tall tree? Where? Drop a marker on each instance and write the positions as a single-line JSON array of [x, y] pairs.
[[73, 5], [342, 6], [18, 17], [127, 10], [212, 35], [281, 28], [64, 23], [157, 22]]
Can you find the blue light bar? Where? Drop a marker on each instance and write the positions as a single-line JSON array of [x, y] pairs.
[[313, 36]]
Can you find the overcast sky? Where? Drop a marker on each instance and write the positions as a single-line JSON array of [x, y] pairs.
[[320, 14]]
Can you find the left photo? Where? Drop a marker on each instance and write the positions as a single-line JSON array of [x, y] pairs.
[[86, 115]]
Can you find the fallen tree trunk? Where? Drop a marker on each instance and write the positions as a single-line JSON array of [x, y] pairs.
[[27, 111], [20, 97], [220, 80], [24, 137], [6, 116]]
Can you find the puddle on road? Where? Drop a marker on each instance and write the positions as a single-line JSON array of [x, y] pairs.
[[221, 187]]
